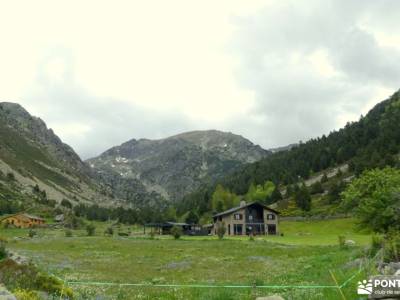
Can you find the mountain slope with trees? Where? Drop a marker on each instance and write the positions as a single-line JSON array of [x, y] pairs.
[[40, 173], [371, 142]]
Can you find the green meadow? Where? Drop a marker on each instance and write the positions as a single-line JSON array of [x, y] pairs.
[[308, 254]]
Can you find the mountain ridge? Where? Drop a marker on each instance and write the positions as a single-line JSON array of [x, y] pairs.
[[37, 159], [176, 165]]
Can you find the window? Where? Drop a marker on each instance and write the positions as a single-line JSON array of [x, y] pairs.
[[238, 216], [250, 218], [270, 217]]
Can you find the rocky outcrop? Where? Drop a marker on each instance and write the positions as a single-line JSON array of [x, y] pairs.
[[5, 294]]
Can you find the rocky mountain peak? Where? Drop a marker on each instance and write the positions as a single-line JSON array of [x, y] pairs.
[[179, 164]]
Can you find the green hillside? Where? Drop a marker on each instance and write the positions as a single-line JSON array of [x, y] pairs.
[[371, 142]]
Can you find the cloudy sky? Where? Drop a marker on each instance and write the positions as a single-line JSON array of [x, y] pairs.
[[102, 72]]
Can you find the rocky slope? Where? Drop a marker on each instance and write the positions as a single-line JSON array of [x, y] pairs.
[[175, 166], [31, 154]]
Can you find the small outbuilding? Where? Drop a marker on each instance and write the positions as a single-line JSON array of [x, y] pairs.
[[22, 220], [165, 228]]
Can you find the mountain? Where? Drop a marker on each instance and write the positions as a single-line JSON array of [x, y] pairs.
[[33, 159], [371, 142], [174, 166]]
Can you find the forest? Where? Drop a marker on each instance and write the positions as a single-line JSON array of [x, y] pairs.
[[371, 142]]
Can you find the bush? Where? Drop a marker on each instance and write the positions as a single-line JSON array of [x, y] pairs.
[[176, 232], [151, 235], [316, 188], [66, 203], [22, 294], [251, 237], [32, 233], [68, 233], [10, 176], [392, 247], [220, 230], [377, 243], [52, 285], [27, 277], [72, 222], [109, 231], [90, 229]]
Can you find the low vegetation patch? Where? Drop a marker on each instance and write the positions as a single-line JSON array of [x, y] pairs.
[[26, 278]]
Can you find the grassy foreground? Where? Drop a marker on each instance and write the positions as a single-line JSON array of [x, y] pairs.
[[306, 255]]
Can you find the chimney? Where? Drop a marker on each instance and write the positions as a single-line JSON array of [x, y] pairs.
[[242, 203]]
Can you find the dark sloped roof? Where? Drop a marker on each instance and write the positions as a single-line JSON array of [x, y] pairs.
[[166, 224], [233, 209]]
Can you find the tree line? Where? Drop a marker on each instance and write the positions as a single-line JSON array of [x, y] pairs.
[[371, 142]]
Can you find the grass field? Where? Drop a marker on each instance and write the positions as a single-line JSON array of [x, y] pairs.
[[306, 255]]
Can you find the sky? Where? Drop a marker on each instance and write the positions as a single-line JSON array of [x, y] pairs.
[[100, 73]]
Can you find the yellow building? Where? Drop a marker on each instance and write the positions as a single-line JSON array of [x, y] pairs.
[[22, 220]]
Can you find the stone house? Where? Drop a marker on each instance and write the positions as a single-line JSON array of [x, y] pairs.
[[248, 218]]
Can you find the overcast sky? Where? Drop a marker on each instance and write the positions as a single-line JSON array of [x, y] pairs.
[[102, 72]]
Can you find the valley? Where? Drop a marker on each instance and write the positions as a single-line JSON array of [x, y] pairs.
[[328, 231], [303, 256]]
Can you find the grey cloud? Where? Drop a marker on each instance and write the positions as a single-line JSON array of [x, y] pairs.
[[293, 99], [110, 121]]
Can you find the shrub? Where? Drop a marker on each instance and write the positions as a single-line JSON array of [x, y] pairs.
[[251, 237], [220, 230], [10, 176], [151, 235], [324, 178], [121, 233], [22, 294], [342, 241], [32, 233], [26, 277], [13, 275], [52, 285], [392, 247], [176, 232], [109, 231], [90, 229], [377, 243], [316, 188], [68, 233], [66, 203], [72, 222]]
